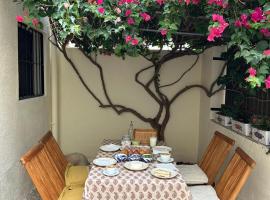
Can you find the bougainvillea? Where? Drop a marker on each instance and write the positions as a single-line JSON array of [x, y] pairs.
[[244, 24], [186, 27]]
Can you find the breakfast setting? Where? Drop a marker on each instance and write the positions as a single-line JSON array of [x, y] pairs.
[[135, 168], [133, 156]]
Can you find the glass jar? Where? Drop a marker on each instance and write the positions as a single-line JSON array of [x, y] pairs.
[[126, 141]]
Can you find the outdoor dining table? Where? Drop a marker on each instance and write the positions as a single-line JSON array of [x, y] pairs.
[[132, 185]]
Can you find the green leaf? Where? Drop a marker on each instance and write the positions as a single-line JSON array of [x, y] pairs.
[[262, 45]]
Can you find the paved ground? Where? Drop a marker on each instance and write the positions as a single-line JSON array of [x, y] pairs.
[[33, 195]]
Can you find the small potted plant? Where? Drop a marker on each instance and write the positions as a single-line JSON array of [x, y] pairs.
[[241, 124], [224, 116], [261, 129]]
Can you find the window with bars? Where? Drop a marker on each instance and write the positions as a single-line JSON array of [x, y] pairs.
[[31, 62], [250, 103]]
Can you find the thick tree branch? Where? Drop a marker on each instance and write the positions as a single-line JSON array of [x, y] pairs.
[[208, 92], [101, 74], [124, 109], [220, 74], [147, 89], [184, 73], [183, 90]]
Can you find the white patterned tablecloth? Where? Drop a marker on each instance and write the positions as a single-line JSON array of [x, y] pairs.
[[130, 185]]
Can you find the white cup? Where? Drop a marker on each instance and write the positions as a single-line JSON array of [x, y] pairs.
[[165, 157], [153, 141]]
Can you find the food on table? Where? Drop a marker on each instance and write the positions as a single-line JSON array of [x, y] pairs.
[[136, 150], [147, 158], [162, 173], [135, 142]]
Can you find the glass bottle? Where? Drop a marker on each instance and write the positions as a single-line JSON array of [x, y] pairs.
[[130, 130]]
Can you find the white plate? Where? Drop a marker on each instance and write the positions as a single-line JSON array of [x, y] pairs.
[[161, 149], [108, 173], [110, 147], [104, 162], [168, 161], [172, 173], [136, 165]]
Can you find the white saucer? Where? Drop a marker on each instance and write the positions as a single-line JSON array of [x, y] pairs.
[[104, 162], [110, 147], [107, 173], [162, 161]]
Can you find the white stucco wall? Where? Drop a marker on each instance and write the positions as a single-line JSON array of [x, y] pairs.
[[83, 125], [257, 186], [22, 123]]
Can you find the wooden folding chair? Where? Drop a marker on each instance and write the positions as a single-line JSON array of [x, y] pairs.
[[53, 149], [73, 175], [231, 182], [143, 135], [212, 160], [45, 176]]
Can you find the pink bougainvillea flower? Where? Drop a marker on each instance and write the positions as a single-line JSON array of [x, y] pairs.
[[134, 42], [130, 21], [128, 38], [118, 10], [217, 2], [160, 2], [129, 1], [214, 33], [145, 16], [252, 71], [266, 52], [19, 18], [35, 22], [99, 2], [222, 23], [267, 82], [244, 21], [265, 32], [163, 31], [136, 2], [101, 10], [196, 2], [121, 2], [128, 12], [257, 15], [238, 23], [66, 5]]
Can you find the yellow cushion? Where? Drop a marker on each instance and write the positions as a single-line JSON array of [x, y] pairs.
[[71, 193], [76, 175]]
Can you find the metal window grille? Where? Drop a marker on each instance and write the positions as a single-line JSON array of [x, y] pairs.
[[256, 104], [31, 62]]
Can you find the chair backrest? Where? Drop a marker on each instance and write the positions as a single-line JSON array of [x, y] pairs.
[[41, 169], [143, 135], [215, 155], [53, 149], [235, 175]]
